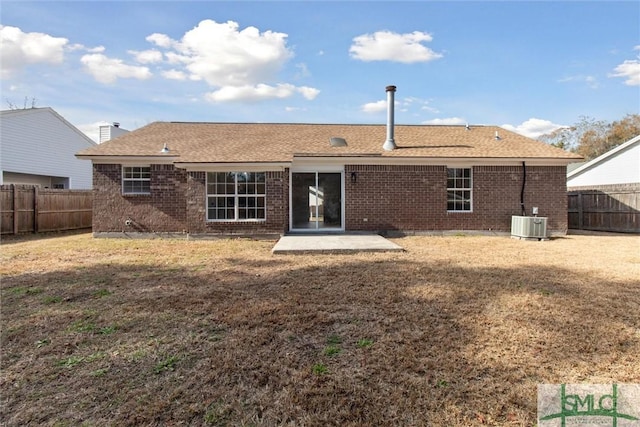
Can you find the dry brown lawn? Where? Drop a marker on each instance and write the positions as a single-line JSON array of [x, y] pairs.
[[455, 331]]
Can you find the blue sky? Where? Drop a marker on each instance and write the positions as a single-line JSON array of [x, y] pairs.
[[527, 66]]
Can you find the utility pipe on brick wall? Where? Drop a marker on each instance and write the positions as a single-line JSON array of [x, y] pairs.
[[524, 181]]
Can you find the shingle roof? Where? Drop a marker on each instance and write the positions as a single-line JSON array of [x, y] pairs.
[[271, 142]]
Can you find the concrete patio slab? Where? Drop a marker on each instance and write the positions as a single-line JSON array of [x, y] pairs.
[[335, 243]]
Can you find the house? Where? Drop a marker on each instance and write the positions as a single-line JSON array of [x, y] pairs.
[[257, 178], [619, 166], [38, 147]]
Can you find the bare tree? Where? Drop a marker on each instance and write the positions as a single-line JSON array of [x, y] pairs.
[[25, 105], [591, 138]]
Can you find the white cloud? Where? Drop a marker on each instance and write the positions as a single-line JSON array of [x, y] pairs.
[[161, 40], [304, 70], [374, 107], [533, 127], [412, 102], [77, 46], [309, 93], [146, 56], [175, 59], [388, 46], [97, 49], [20, 49], [446, 121], [223, 55], [590, 81], [259, 92], [240, 64], [108, 70], [402, 105], [630, 70], [174, 75]]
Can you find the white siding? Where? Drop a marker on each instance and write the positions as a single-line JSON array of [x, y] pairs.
[[108, 132], [38, 141], [622, 167]]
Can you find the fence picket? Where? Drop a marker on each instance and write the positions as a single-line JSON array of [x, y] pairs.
[[604, 210], [26, 209]]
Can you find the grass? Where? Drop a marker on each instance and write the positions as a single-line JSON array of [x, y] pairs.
[[167, 364], [452, 332], [364, 343], [320, 369]]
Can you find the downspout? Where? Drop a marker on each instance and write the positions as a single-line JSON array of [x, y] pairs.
[[524, 181]]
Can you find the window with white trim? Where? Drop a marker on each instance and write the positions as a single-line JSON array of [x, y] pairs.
[[459, 189], [236, 196], [136, 180]]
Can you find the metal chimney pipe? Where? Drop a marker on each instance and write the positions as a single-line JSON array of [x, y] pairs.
[[390, 143]]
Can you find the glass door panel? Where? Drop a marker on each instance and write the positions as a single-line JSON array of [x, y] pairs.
[[303, 200], [316, 201], [330, 190]]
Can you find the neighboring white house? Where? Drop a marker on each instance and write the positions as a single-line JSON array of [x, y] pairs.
[[38, 146], [618, 166]]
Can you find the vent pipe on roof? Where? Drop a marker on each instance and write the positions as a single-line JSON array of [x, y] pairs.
[[338, 142], [390, 143]]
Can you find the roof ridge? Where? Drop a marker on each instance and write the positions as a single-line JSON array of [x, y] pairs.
[[324, 124]]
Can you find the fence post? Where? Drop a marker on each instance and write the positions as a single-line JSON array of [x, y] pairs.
[[15, 209], [35, 208], [580, 214]]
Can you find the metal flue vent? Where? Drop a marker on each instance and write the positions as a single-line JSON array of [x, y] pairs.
[[390, 143], [338, 142]]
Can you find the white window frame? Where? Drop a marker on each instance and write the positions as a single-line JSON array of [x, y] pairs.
[[460, 190], [135, 179], [236, 195]]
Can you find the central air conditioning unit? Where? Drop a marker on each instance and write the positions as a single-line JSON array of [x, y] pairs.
[[529, 227]]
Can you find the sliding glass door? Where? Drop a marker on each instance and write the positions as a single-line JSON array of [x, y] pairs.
[[316, 201]]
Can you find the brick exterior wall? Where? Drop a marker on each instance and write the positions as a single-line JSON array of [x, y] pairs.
[[277, 206], [160, 212], [414, 198], [391, 198]]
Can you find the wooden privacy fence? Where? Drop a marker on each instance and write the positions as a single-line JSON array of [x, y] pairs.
[[604, 210], [30, 209]]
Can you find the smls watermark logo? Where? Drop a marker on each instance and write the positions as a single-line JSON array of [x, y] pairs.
[[575, 405]]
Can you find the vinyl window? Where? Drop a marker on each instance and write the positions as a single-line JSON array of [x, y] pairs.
[[136, 180], [459, 189], [236, 196]]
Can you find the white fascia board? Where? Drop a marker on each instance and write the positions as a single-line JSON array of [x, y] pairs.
[[129, 160], [234, 167], [453, 162], [429, 161]]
